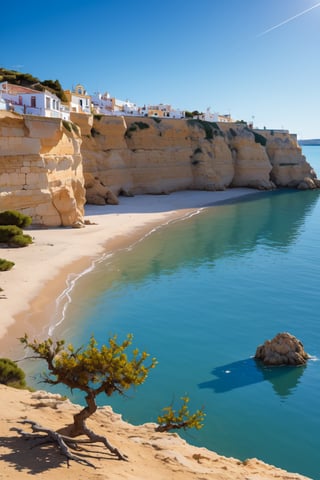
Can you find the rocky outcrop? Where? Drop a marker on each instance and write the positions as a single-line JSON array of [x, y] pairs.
[[41, 169], [97, 193], [152, 155], [283, 349]]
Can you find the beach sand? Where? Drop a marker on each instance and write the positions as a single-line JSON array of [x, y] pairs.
[[29, 292], [41, 270]]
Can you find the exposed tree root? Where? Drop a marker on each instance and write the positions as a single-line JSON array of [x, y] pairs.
[[46, 435]]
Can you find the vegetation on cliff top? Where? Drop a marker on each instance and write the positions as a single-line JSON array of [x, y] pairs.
[[28, 80]]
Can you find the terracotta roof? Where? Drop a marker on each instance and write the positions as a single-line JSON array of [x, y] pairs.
[[16, 89]]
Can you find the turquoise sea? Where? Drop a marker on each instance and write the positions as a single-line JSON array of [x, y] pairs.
[[200, 295]]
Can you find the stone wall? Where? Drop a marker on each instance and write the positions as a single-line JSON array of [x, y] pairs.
[[41, 169]]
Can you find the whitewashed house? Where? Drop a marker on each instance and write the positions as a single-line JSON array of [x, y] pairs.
[[102, 103], [26, 100], [105, 105], [78, 99], [208, 116], [164, 111]]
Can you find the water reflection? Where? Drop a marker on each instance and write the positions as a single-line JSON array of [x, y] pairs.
[[271, 220], [284, 380]]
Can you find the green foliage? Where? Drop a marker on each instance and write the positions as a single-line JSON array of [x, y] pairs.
[[67, 125], [258, 138], [9, 231], [5, 265], [172, 420], [134, 127], [11, 374], [97, 116], [13, 236], [12, 217], [94, 132], [28, 80], [157, 119], [20, 240], [93, 370], [75, 128], [142, 125], [55, 87], [197, 150], [211, 129]]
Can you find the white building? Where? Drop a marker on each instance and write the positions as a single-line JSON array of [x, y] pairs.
[[26, 100], [105, 105], [208, 116], [164, 111], [78, 99]]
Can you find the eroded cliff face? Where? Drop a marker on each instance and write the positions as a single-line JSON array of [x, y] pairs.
[[41, 170], [146, 155], [41, 164]]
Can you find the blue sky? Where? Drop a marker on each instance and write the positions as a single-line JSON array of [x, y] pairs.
[[192, 54]]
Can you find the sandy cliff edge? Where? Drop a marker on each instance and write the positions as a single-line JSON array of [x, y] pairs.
[[151, 455]]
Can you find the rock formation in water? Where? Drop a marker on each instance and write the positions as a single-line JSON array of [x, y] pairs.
[[283, 349], [41, 169]]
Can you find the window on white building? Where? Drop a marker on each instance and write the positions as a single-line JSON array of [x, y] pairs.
[[33, 101], [47, 103]]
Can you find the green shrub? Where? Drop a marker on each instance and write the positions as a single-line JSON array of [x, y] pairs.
[[197, 150], [97, 116], [20, 240], [5, 265], [257, 137], [9, 231], [157, 119], [211, 128], [94, 132], [11, 374], [75, 128], [12, 217], [13, 236], [142, 125], [135, 126], [67, 125]]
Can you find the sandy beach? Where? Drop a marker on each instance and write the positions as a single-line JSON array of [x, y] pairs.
[[41, 270], [29, 292]]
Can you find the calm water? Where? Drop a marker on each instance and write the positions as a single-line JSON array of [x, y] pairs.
[[200, 295]]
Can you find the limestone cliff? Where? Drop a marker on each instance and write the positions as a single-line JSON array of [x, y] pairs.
[[41, 164], [41, 169], [149, 155]]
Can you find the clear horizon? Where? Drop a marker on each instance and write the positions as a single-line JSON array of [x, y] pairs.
[[254, 60]]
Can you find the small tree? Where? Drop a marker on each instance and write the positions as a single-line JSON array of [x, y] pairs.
[[94, 371], [172, 420]]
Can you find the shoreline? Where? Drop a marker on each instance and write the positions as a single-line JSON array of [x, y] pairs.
[[73, 253], [42, 270]]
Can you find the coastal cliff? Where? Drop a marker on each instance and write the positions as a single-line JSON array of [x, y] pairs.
[[41, 169], [131, 155], [49, 168]]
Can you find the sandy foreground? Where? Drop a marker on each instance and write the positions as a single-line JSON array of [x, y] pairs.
[[29, 289]]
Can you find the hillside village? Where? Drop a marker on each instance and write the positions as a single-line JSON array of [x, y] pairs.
[[26, 100]]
